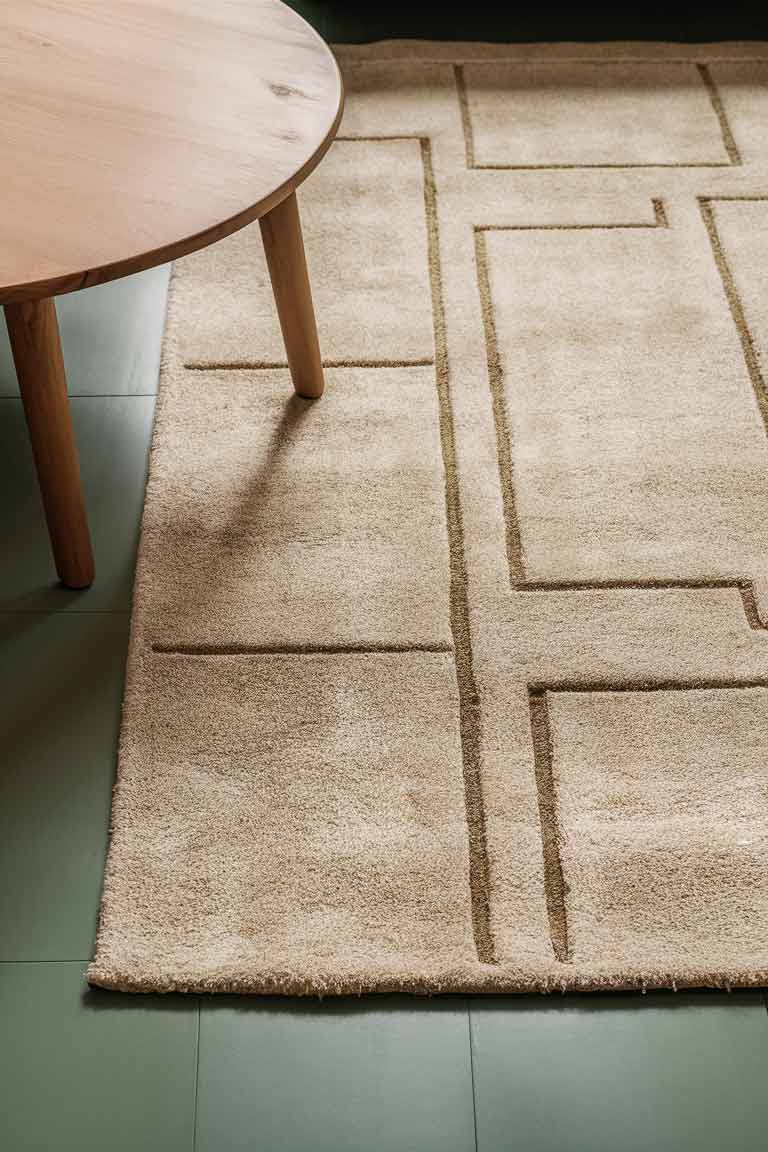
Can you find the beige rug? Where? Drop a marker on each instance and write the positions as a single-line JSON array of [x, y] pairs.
[[457, 680]]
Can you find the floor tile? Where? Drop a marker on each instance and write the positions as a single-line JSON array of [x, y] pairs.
[[113, 436], [669, 1072], [84, 1071], [334, 1076], [61, 680], [111, 337]]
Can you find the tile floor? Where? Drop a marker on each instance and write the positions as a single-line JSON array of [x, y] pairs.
[[82, 1070]]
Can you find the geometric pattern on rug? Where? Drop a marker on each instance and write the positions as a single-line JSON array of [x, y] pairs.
[[456, 680]]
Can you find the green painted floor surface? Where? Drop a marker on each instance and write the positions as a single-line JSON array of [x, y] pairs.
[[82, 1070]]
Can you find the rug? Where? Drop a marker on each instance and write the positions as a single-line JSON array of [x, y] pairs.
[[456, 680]]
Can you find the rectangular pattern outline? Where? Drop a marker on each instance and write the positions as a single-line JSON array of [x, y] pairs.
[[551, 829], [266, 365], [469, 702], [715, 99], [514, 550]]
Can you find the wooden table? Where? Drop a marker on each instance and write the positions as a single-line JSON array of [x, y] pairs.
[[133, 132]]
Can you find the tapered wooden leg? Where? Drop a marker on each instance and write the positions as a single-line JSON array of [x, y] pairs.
[[34, 335], [284, 248]]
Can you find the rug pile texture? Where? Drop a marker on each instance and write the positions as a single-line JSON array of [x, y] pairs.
[[457, 679]]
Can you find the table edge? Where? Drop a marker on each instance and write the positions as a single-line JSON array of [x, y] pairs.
[[141, 261]]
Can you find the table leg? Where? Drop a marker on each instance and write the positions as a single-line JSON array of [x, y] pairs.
[[284, 248], [34, 335]]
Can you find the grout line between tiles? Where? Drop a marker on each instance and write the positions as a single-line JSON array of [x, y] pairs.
[[472, 1073], [197, 1076], [80, 961]]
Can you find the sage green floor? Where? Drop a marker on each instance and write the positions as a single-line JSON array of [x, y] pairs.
[[82, 1070]]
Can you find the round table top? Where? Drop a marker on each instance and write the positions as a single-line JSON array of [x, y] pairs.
[[135, 131]]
